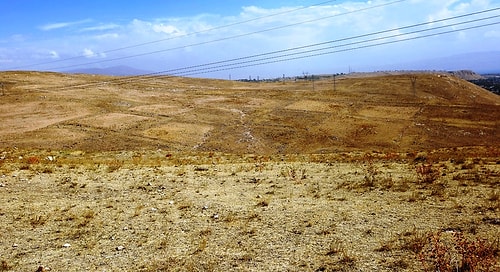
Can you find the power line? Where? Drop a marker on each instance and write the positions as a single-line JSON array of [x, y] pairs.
[[230, 37], [181, 36], [338, 51], [198, 69], [330, 42], [189, 72]]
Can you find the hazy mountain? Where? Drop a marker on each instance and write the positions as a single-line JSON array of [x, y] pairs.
[[121, 70], [479, 62]]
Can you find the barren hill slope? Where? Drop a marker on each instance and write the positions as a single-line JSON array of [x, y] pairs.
[[85, 112]]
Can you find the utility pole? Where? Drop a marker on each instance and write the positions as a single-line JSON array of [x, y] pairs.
[[312, 78], [413, 79], [334, 83]]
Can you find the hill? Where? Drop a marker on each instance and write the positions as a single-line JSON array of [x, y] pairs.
[[90, 112], [372, 172]]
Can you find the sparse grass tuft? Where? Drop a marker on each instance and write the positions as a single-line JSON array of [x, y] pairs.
[[5, 266], [37, 220], [294, 173], [427, 174], [114, 165], [494, 195]]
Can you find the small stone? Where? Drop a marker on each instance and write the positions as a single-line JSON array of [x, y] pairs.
[[171, 202], [120, 248], [15, 245], [205, 207], [125, 228], [2, 185], [215, 216], [154, 209], [67, 245]]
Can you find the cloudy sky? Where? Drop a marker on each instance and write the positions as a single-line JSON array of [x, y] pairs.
[[257, 38]]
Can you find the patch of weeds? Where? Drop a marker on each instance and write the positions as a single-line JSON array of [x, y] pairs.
[[387, 183], [314, 189], [137, 210], [494, 196], [47, 170], [202, 245], [86, 218], [415, 196], [438, 188], [427, 174], [37, 220], [336, 247], [263, 203], [114, 165], [33, 160], [184, 206], [413, 241], [371, 173], [402, 186], [399, 264], [5, 266], [385, 247], [452, 251], [327, 230], [293, 173]]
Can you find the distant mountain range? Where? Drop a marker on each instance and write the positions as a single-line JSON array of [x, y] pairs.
[[121, 70], [479, 62]]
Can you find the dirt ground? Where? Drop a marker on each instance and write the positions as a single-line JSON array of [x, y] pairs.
[[175, 174]]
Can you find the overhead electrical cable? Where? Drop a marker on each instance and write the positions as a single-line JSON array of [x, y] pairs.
[[243, 65], [184, 35], [227, 38], [266, 58], [338, 40]]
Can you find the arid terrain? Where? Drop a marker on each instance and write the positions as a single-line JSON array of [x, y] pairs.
[[368, 172]]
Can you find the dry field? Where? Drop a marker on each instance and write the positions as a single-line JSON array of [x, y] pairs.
[[176, 174]]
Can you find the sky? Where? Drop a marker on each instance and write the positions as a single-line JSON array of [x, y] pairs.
[[250, 39]]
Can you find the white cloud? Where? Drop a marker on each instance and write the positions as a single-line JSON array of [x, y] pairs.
[[167, 29], [102, 27], [54, 54], [53, 26], [88, 53]]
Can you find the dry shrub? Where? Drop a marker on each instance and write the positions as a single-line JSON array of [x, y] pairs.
[[448, 253], [293, 173], [114, 165], [5, 266], [33, 160], [427, 174]]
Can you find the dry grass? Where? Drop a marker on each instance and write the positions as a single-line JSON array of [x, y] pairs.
[[294, 213]]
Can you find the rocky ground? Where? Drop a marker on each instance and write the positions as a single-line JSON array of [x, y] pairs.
[[98, 174]]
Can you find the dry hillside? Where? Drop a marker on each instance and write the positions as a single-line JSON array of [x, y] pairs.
[[58, 111], [367, 173]]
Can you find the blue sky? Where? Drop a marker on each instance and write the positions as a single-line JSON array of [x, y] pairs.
[[160, 35]]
